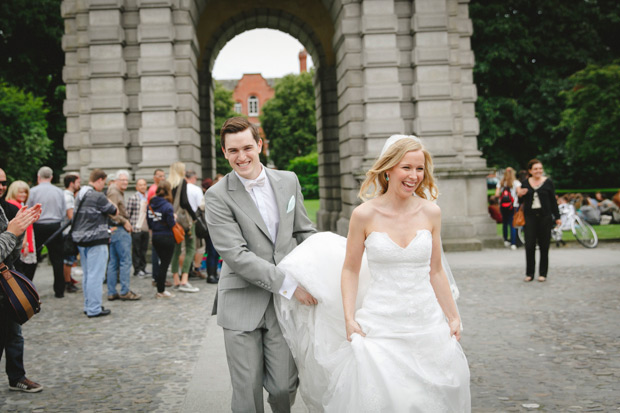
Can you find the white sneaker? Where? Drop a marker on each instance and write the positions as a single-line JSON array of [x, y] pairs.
[[513, 247], [165, 294], [188, 288], [506, 244]]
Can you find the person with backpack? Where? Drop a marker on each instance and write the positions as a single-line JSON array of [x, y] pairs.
[[506, 192]]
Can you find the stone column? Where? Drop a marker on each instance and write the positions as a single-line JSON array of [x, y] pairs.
[[444, 96], [108, 103], [350, 89], [157, 100]]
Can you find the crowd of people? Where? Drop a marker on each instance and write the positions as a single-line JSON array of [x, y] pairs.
[[542, 208], [112, 232]]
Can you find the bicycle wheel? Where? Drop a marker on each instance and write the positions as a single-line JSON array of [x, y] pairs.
[[584, 233], [521, 234]]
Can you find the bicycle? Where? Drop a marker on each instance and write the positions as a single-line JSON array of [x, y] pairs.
[[584, 233]]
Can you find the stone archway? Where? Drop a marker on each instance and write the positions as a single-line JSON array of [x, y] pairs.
[[139, 90], [310, 23]]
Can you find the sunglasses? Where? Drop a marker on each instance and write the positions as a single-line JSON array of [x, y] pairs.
[[3, 183]]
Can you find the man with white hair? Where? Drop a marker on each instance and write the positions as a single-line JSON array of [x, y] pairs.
[[53, 211], [119, 265]]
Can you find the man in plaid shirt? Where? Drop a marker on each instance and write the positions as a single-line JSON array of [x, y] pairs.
[[139, 237]]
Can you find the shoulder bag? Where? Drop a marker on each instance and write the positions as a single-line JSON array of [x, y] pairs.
[[183, 218], [21, 294], [177, 229], [518, 220]]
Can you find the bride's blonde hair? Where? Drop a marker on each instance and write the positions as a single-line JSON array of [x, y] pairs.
[[376, 183]]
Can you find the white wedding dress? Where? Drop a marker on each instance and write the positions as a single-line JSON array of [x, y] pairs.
[[407, 362]]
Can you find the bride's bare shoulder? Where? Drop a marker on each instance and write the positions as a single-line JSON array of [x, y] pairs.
[[431, 208], [364, 212]]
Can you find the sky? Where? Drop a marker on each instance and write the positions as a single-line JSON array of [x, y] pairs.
[[270, 52]]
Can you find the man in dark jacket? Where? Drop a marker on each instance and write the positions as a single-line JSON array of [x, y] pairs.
[[11, 339], [90, 233]]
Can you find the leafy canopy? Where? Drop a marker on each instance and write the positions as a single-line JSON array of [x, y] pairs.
[[289, 119], [23, 136]]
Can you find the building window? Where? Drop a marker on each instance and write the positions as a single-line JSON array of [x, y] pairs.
[[252, 106], [237, 107]]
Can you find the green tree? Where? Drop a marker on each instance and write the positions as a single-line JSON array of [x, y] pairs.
[[289, 119], [223, 109], [307, 170], [32, 59], [591, 121], [525, 50], [23, 136]]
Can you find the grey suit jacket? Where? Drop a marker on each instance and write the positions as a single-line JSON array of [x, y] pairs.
[[249, 275]]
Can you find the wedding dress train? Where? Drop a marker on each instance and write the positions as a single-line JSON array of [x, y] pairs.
[[407, 362]]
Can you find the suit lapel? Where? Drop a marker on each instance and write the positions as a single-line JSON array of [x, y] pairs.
[[246, 203], [281, 198]]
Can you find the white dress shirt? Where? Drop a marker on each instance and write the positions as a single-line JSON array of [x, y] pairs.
[[265, 199]]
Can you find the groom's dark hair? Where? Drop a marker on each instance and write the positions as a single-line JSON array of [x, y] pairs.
[[235, 125]]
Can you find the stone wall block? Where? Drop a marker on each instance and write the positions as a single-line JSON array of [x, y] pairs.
[[188, 153], [156, 33], [83, 55], [379, 23], [431, 91], [105, 4], [69, 42], [188, 102], [68, 8], [157, 101], [107, 68], [131, 52], [151, 136], [72, 141], [384, 127], [105, 34], [156, 66], [134, 155], [187, 119], [431, 56], [142, 4], [110, 103], [82, 21], [109, 159], [383, 92], [385, 57], [134, 121], [70, 74], [109, 137], [429, 22], [83, 39], [189, 137], [433, 126]]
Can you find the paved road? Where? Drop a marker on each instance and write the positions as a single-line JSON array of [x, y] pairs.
[[554, 345]]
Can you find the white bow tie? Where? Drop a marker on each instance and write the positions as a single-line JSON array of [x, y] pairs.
[[260, 181]]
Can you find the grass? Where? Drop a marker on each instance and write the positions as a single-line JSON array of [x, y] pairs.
[[611, 231], [312, 206]]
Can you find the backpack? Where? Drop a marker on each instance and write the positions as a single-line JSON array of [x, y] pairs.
[[506, 201]]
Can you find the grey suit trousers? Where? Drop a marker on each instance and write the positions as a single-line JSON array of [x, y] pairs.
[[257, 359]]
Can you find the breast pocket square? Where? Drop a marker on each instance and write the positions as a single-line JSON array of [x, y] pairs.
[[291, 204]]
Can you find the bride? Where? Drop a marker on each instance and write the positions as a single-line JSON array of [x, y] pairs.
[[389, 341]]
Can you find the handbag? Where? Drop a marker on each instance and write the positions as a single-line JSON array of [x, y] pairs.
[[183, 218], [518, 220], [69, 247], [142, 223], [177, 229], [21, 294], [202, 231]]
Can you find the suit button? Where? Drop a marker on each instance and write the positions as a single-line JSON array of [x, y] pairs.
[[285, 292]]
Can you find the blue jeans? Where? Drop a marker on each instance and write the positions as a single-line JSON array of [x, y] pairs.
[[94, 260], [12, 345], [119, 265]]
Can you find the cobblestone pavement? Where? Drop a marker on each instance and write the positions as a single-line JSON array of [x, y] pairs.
[[551, 346]]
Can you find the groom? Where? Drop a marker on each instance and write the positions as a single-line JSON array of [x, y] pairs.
[[255, 217]]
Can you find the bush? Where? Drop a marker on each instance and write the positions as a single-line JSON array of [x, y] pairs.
[[23, 133], [307, 170]]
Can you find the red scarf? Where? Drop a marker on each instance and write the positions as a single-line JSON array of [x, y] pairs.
[[29, 230]]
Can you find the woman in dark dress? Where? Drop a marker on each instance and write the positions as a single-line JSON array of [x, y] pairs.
[[537, 195]]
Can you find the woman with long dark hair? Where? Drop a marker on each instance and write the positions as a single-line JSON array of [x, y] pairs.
[[160, 218], [540, 208]]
